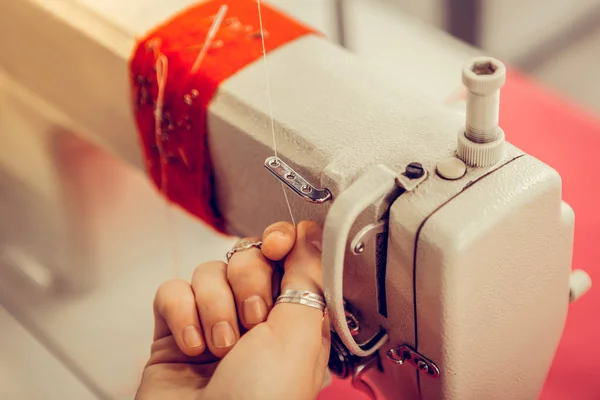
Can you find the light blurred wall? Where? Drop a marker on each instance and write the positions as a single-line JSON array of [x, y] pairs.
[[557, 41]]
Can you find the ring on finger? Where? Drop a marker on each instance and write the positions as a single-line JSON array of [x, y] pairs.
[[303, 297], [241, 246]]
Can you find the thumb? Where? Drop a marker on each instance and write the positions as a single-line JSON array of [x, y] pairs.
[[302, 330]]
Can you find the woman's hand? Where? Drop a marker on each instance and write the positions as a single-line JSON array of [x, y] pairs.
[[220, 336]]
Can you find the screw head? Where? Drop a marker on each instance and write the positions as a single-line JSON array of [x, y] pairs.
[[359, 248], [414, 170], [422, 365], [486, 67]]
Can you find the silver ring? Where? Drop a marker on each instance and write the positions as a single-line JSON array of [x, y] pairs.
[[303, 297], [241, 246]]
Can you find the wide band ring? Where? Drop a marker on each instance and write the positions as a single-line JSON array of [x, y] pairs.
[[241, 246], [302, 297]]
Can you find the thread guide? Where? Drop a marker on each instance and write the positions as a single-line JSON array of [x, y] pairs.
[[296, 182]]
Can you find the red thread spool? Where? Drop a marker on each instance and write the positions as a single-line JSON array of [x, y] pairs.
[[184, 173]]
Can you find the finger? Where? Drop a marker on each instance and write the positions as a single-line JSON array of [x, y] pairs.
[[300, 327], [302, 267], [216, 307], [166, 351], [175, 314], [249, 274], [278, 240]]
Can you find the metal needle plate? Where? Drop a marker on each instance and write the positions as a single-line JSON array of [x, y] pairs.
[[296, 182]]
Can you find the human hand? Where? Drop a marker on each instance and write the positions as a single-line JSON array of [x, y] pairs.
[[220, 337]]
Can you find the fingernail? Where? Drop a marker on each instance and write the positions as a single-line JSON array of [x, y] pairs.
[[192, 336], [255, 310], [223, 335], [314, 236], [276, 235]]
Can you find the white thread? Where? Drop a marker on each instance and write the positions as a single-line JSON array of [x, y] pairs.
[[162, 70], [214, 28], [270, 102]]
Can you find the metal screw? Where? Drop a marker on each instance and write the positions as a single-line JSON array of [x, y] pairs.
[[422, 365], [306, 189], [359, 248], [414, 170], [274, 163], [290, 176]]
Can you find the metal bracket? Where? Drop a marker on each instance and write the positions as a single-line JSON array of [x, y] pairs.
[[297, 183], [357, 246], [403, 354]]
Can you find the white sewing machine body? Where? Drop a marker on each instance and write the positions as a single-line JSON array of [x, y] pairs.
[[476, 277], [472, 274]]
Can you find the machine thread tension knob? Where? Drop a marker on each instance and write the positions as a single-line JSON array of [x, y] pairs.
[[481, 142]]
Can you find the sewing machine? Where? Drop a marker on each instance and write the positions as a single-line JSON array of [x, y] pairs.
[[447, 251], [439, 258]]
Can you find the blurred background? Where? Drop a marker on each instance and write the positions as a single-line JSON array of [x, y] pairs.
[[557, 41], [84, 238]]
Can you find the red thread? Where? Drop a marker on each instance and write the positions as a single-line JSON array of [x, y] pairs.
[[176, 153]]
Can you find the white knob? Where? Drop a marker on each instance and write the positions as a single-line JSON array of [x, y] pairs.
[[579, 283], [481, 142]]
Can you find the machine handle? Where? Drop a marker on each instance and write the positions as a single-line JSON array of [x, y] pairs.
[[372, 186]]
